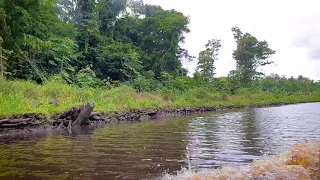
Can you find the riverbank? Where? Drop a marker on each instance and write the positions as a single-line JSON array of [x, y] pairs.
[[26, 104], [37, 120]]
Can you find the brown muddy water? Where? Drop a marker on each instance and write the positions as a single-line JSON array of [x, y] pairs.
[[150, 149]]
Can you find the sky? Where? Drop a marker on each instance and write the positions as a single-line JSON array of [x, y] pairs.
[[292, 29]]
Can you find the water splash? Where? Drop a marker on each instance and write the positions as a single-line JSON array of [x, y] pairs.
[[301, 162]]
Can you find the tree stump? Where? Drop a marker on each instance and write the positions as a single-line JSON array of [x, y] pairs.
[[84, 114]]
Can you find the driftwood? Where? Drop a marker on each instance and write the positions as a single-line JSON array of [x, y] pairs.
[[19, 120], [4, 121], [60, 126], [84, 114], [69, 127], [9, 125]]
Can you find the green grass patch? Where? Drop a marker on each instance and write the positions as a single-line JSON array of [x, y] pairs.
[[22, 97]]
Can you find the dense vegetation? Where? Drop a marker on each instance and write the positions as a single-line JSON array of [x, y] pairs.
[[101, 39], [124, 54], [19, 97]]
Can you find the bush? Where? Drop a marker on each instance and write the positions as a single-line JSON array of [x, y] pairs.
[[145, 84]]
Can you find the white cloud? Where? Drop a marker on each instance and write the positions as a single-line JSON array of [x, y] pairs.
[[309, 36], [290, 27]]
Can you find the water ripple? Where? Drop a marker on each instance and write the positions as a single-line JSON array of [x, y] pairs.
[[149, 149]]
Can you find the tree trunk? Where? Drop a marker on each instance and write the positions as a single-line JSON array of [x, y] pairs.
[[1, 65], [84, 114]]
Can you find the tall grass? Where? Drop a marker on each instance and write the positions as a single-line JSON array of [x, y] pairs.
[[21, 97]]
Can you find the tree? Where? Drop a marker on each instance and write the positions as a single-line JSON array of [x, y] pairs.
[[207, 58], [36, 42], [1, 60], [108, 11], [250, 54], [137, 7], [119, 61], [158, 33], [68, 10], [87, 26], [234, 80]]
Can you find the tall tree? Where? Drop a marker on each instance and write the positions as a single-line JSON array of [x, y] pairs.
[[42, 38], [119, 61], [29, 30], [160, 41], [108, 12], [207, 59], [1, 60], [250, 54], [87, 26], [68, 10], [136, 7], [108, 56], [158, 33]]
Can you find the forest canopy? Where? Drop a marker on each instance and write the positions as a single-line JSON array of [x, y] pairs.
[[103, 42], [115, 39]]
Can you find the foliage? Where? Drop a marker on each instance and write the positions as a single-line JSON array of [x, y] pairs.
[[52, 37], [119, 61], [250, 55], [275, 83], [158, 34], [124, 54], [87, 78], [206, 60], [55, 96], [144, 84], [30, 29]]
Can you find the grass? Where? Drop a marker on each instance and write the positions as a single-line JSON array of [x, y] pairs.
[[24, 97]]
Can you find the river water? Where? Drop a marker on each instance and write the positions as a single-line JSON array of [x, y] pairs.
[[150, 149]]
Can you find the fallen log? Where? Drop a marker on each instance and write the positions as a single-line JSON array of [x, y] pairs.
[[70, 126], [84, 114], [19, 120], [60, 126], [4, 121], [9, 125], [24, 123]]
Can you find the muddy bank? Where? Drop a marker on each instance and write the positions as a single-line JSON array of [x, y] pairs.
[[145, 115], [33, 123], [22, 121]]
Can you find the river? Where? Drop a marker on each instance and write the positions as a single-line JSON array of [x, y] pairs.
[[149, 149]]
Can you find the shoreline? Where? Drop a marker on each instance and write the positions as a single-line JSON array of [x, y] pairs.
[[18, 124]]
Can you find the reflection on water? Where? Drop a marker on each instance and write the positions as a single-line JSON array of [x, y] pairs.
[[149, 149], [224, 139]]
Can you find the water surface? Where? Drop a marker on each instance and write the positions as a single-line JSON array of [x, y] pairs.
[[147, 150]]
